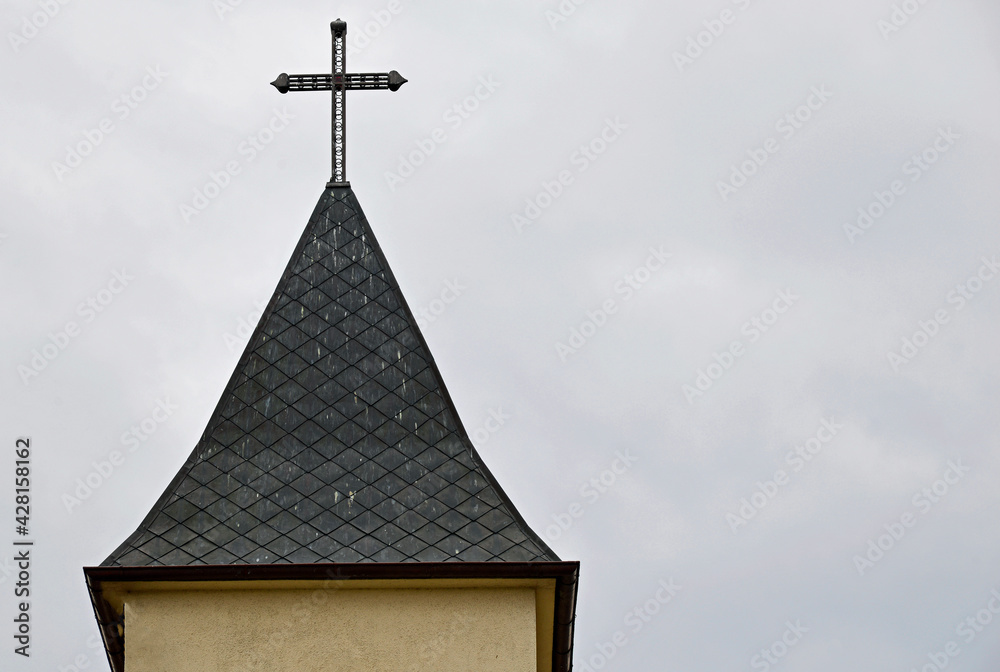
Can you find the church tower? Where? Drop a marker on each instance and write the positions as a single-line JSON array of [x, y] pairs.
[[334, 515]]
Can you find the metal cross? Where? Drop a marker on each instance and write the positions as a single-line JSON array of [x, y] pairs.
[[339, 82]]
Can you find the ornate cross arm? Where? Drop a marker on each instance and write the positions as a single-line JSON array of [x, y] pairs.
[[339, 82], [391, 80]]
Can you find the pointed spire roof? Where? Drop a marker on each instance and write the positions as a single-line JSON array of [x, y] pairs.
[[335, 440]]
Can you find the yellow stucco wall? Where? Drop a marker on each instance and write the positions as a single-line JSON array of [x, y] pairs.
[[323, 630]]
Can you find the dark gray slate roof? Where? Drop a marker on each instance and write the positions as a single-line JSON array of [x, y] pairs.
[[335, 439]]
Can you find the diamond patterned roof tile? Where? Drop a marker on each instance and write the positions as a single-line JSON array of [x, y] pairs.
[[335, 440]]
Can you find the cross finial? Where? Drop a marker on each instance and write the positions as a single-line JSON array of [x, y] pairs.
[[339, 82]]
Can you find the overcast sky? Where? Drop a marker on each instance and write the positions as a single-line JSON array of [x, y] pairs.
[[673, 240]]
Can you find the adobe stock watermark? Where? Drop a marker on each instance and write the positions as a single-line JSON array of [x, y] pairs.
[[491, 425], [787, 125], [797, 458], [780, 647], [104, 469], [963, 292], [923, 501], [454, 117], [88, 310], [244, 327], [899, 16], [121, 109], [914, 168], [225, 7], [303, 612], [635, 620], [564, 10], [591, 491], [968, 629], [32, 24], [582, 159], [626, 288], [704, 39], [450, 634], [753, 329], [248, 151], [7, 567], [359, 39], [437, 306], [82, 661]]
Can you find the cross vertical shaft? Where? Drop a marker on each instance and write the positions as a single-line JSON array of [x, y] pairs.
[[339, 130], [339, 82]]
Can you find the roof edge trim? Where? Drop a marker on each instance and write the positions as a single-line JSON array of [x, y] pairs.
[[566, 574]]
